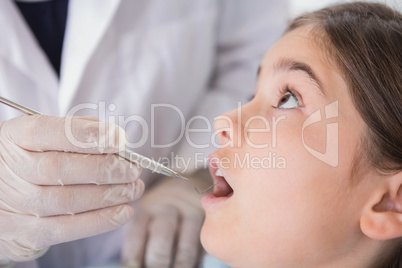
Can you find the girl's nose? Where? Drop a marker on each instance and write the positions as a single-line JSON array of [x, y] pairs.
[[224, 127], [230, 127]]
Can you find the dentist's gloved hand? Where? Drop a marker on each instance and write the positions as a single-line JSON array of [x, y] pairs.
[[52, 190], [165, 231]]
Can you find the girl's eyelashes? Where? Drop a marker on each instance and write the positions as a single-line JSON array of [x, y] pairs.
[[288, 100]]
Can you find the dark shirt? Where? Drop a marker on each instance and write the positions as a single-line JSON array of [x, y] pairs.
[[47, 21]]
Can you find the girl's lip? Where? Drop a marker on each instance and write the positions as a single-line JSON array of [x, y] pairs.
[[210, 199]]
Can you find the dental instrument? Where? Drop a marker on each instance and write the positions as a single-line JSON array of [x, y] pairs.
[[128, 155]]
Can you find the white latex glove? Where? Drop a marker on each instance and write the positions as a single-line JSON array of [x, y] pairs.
[[52, 191], [165, 231]]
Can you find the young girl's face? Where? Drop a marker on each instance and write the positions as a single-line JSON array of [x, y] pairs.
[[290, 170]]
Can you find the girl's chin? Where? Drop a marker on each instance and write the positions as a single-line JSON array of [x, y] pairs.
[[214, 243]]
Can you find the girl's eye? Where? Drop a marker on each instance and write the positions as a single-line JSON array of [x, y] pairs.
[[288, 101]]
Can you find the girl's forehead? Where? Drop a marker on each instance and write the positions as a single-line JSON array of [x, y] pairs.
[[303, 42], [307, 47]]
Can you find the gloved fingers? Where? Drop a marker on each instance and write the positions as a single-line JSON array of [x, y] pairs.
[[68, 134], [60, 229], [17, 252], [134, 245], [47, 201], [59, 168], [161, 237], [16, 234], [188, 245], [88, 117], [36, 234]]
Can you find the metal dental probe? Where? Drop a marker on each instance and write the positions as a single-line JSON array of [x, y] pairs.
[[128, 155]]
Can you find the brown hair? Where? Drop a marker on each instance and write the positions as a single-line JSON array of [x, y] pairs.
[[365, 41]]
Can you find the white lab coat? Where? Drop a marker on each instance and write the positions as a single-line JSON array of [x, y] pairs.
[[200, 56]]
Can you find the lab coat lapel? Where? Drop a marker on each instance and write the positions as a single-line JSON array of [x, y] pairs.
[[23, 52], [87, 22]]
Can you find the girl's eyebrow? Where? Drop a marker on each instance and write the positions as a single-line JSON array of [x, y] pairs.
[[285, 64]]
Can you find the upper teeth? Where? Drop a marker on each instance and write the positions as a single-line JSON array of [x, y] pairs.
[[218, 173]]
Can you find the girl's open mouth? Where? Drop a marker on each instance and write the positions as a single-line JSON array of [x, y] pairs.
[[222, 189]]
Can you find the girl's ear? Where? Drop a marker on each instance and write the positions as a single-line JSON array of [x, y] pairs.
[[382, 216]]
